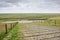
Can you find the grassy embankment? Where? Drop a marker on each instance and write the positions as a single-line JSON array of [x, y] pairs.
[[48, 23], [16, 33], [3, 30], [13, 34], [55, 21]]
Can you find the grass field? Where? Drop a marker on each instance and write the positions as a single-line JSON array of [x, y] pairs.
[[12, 17], [18, 17], [49, 23]]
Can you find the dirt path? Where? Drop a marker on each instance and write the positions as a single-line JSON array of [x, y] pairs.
[[37, 32]]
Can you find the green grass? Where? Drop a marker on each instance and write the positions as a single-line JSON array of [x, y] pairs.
[[49, 23], [12, 17], [17, 33], [14, 33], [2, 35], [21, 35]]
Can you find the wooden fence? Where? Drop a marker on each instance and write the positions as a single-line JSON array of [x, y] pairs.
[[5, 27]]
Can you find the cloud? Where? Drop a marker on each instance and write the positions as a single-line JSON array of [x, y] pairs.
[[4, 4], [30, 6]]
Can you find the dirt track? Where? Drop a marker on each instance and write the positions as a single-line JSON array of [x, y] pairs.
[[37, 32]]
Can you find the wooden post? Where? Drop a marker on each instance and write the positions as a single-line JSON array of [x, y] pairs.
[[6, 28]]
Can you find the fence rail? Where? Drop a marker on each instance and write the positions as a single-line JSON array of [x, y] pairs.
[[5, 27]]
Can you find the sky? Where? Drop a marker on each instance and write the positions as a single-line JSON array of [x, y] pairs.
[[29, 6]]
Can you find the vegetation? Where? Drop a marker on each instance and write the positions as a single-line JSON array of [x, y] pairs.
[[3, 31], [16, 31], [12, 17], [49, 22]]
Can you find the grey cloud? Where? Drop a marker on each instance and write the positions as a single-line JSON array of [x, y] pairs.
[[47, 4], [33, 4], [54, 1], [14, 1], [5, 3]]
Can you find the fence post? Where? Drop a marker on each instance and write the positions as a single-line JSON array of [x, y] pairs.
[[6, 28]]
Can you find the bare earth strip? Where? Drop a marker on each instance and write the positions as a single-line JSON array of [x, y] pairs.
[[37, 32]]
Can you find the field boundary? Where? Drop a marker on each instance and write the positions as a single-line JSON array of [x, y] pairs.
[[4, 34]]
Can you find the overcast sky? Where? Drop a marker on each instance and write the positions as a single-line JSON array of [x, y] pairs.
[[29, 6]]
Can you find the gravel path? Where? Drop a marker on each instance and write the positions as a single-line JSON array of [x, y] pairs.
[[37, 32]]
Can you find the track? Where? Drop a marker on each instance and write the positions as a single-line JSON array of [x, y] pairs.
[[37, 32]]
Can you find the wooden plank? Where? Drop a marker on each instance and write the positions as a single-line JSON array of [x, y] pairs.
[[6, 29]]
